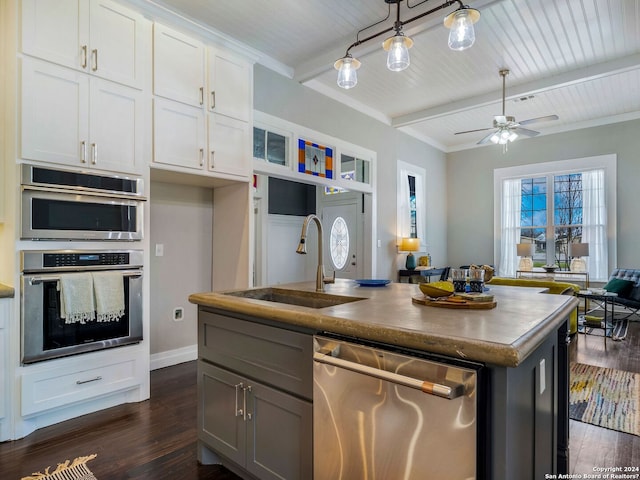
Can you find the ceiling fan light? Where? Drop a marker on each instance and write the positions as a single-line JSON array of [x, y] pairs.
[[495, 138], [512, 136], [398, 47], [347, 72], [462, 35]]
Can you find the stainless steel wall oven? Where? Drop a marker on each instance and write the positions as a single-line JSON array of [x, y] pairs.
[[45, 333], [72, 205]]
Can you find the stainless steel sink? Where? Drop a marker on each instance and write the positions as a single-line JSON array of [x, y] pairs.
[[295, 297]]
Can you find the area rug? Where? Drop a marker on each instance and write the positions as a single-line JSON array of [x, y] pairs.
[[76, 470], [605, 397]]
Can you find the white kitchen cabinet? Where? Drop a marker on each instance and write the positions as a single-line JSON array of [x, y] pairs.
[[229, 85], [178, 66], [99, 37], [229, 141], [73, 119], [81, 379], [4, 362], [180, 134], [205, 129]]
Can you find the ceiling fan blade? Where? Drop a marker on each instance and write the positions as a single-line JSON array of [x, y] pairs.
[[471, 131], [526, 132], [486, 139], [539, 119]]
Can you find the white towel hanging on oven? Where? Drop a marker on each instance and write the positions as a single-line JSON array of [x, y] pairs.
[[76, 298], [109, 292]]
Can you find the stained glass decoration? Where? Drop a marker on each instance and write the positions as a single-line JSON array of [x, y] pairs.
[[314, 159]]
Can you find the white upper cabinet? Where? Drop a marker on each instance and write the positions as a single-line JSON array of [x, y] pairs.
[[229, 146], [73, 119], [229, 85], [100, 37], [178, 66], [180, 134]]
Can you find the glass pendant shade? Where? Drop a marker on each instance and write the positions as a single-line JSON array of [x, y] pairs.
[[347, 72], [398, 56], [462, 35]]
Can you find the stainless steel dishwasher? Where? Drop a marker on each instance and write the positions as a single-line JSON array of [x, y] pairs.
[[381, 415]]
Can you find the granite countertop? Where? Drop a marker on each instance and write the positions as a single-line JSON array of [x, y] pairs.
[[6, 291], [502, 336]]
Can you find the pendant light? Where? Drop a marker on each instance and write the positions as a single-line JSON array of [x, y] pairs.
[[347, 72], [398, 47], [461, 37]]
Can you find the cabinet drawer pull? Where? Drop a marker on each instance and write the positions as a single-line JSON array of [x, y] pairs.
[[84, 56], [213, 159], [202, 157], [94, 153], [94, 56], [213, 100], [83, 152], [81, 382], [201, 95]]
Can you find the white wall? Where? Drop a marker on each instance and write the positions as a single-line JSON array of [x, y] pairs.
[[182, 222], [287, 99], [470, 186]]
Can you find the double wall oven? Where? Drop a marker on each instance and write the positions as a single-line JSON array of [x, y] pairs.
[[68, 205]]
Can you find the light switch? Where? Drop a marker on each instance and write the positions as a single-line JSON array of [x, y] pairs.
[[159, 249]]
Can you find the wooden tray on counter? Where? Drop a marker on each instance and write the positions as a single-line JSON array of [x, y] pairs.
[[453, 302]]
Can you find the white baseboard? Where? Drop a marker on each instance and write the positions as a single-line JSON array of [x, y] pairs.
[[173, 357]]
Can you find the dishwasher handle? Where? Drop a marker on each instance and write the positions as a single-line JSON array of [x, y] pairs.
[[425, 386]]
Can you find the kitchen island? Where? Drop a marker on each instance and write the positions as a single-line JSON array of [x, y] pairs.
[[522, 420]]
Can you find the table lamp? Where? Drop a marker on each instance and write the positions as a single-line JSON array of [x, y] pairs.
[[525, 252], [576, 252], [410, 245]]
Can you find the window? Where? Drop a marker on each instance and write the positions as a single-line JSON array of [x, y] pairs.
[[553, 205], [411, 216], [270, 146]]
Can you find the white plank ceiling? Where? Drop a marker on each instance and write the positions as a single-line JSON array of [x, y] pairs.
[[579, 59]]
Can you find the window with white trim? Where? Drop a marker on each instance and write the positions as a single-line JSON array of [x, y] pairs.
[[552, 205]]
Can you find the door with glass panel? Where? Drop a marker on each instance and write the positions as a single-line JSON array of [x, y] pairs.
[[341, 240]]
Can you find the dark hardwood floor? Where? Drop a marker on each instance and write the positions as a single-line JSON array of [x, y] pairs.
[[592, 446], [155, 439]]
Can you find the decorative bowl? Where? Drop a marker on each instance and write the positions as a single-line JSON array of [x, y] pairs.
[[550, 268], [437, 289]]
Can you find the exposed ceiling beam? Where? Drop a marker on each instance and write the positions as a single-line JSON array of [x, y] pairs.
[[573, 77]]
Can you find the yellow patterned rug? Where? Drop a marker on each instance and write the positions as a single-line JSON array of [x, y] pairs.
[[76, 470], [605, 397]]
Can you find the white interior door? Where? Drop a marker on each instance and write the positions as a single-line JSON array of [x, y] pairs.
[[342, 242]]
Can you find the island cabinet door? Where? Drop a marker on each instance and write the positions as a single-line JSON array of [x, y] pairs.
[[220, 411], [280, 435]]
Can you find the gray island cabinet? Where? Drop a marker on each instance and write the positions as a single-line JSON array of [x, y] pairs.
[[255, 373]]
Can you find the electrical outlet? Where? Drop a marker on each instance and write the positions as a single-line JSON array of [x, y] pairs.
[[178, 314]]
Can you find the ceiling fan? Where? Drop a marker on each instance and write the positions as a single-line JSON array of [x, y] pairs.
[[506, 129]]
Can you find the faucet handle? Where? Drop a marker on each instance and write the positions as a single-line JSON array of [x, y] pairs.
[[330, 279]]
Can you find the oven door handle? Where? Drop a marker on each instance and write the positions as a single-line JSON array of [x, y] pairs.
[[57, 278]]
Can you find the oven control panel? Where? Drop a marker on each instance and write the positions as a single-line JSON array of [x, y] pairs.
[[35, 261], [85, 259]]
